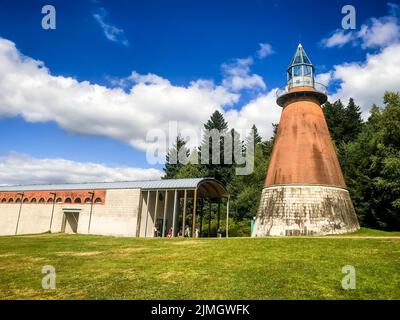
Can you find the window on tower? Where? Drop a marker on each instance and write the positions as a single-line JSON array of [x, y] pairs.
[[297, 71]]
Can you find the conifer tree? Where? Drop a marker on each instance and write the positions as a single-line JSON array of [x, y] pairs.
[[172, 164]]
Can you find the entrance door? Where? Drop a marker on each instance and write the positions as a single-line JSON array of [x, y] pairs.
[[71, 222]]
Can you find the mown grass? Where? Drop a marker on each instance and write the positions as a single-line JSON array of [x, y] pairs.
[[374, 233], [96, 267]]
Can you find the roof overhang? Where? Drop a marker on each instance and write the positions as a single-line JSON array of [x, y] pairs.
[[206, 186]]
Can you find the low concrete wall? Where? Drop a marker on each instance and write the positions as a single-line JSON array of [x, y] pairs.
[[116, 216], [304, 210]]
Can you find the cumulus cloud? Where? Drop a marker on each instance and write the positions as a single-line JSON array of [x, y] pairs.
[[29, 90], [16, 168], [366, 82], [265, 50], [338, 39], [237, 76], [262, 111], [380, 32], [324, 78], [374, 33], [111, 32]]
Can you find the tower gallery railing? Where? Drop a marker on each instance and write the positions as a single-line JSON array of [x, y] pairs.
[[317, 87]]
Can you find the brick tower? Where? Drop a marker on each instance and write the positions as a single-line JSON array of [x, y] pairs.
[[304, 191]]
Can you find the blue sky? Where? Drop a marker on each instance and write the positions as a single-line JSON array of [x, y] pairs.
[[161, 51]]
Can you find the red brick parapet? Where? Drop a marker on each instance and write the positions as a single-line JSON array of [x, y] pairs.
[[62, 196]]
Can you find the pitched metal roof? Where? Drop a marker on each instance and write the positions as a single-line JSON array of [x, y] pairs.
[[144, 184]]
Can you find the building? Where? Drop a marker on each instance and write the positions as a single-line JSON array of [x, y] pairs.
[[112, 208], [304, 191]]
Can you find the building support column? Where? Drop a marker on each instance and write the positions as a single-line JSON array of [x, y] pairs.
[[219, 213], [201, 216], [184, 214], [147, 213], [227, 217], [165, 213], [155, 214], [209, 218], [174, 213], [194, 213]]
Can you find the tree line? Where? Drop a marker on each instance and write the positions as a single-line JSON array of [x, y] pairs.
[[368, 152]]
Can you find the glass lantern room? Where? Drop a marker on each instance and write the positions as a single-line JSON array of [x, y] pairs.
[[301, 71]]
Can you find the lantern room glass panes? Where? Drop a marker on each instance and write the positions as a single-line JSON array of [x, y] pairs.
[[305, 59], [307, 70], [300, 71], [297, 59], [297, 71]]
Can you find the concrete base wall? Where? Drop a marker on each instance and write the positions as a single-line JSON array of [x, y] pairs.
[[304, 210], [117, 216]]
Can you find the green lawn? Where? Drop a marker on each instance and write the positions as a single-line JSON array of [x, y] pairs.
[[95, 267]]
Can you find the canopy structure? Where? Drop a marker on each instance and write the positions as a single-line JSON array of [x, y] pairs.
[[201, 197]]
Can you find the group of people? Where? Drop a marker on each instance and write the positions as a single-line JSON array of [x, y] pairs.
[[187, 232]]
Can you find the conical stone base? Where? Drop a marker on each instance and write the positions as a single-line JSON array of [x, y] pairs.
[[304, 210]]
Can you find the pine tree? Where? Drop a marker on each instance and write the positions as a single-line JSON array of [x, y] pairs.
[[216, 121], [372, 167], [172, 164], [257, 137], [335, 116], [352, 122]]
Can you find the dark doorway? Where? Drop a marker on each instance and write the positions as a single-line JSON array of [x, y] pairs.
[[71, 220]]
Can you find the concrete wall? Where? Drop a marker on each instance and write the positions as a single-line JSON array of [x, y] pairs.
[[117, 215], [34, 218], [305, 210]]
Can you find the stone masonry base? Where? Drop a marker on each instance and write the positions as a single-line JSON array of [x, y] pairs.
[[304, 210]]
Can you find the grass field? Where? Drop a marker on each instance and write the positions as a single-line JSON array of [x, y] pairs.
[[95, 267]]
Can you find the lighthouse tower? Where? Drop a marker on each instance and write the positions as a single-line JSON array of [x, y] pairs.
[[304, 191]]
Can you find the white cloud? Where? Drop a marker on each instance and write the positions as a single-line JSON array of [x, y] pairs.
[[367, 82], [111, 32], [262, 111], [29, 90], [374, 33], [379, 32], [324, 78], [265, 50], [237, 76], [338, 39], [18, 169]]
